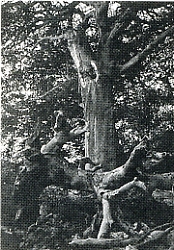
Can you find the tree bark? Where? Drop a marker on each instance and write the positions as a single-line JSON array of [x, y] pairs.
[[100, 141], [97, 98]]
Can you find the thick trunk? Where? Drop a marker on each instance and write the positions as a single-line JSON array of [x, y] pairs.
[[100, 141], [97, 98]]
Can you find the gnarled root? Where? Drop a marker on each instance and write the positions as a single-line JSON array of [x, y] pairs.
[[124, 188], [107, 220], [106, 195], [102, 243]]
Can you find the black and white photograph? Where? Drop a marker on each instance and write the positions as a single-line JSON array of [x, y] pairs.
[[87, 125]]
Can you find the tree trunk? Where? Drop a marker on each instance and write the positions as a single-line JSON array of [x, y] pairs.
[[97, 98], [100, 141]]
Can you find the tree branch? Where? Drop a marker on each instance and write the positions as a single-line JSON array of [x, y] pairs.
[[60, 138], [51, 38], [143, 5], [119, 25], [67, 83], [139, 57], [154, 236], [160, 227]]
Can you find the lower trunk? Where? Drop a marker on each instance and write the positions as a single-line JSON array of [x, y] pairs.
[[101, 142]]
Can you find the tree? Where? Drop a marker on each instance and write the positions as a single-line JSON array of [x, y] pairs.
[[106, 41], [99, 70], [110, 45]]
